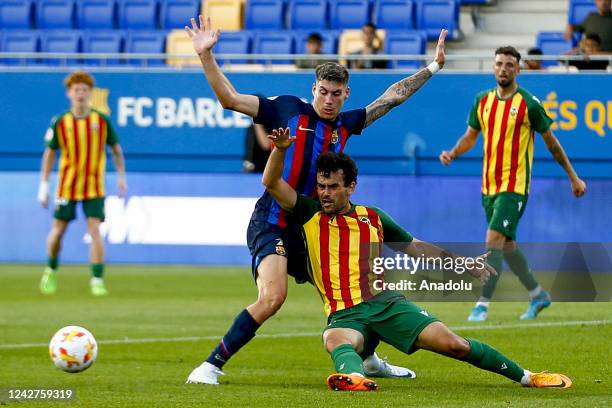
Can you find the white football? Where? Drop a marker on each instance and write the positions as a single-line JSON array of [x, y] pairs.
[[73, 349]]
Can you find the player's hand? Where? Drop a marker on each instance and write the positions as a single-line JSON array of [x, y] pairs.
[[122, 186], [281, 138], [482, 270], [446, 157], [43, 193], [578, 187], [440, 56], [203, 37]]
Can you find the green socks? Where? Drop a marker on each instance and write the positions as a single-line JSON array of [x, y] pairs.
[[495, 259], [97, 270], [518, 263], [346, 360], [52, 262], [487, 358]]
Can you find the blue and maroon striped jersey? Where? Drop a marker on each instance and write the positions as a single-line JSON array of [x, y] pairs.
[[314, 136]]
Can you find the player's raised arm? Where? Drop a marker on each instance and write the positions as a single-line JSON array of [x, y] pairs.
[[397, 93], [272, 178], [465, 143], [204, 39], [555, 148]]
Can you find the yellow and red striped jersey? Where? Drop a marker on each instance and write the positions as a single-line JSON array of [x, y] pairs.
[[508, 127], [82, 142], [341, 249]]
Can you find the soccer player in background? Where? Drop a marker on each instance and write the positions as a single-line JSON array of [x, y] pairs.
[[343, 275], [508, 116], [81, 135], [274, 241]]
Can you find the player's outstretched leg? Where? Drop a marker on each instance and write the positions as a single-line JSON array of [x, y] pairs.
[[440, 339], [272, 291]]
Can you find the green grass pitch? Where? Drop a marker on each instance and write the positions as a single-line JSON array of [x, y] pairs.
[[160, 322]]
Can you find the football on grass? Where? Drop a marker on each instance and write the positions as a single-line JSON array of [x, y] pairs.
[[73, 349]]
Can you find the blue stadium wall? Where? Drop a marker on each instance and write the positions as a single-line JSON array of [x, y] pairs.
[[195, 208]]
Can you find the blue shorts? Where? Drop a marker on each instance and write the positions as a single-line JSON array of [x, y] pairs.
[[266, 239]]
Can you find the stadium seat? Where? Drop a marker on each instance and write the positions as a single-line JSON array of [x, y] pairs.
[[138, 14], [16, 14], [96, 14], [63, 41], [148, 42], [579, 9], [234, 42], [351, 41], [552, 43], [265, 15], [308, 15], [176, 13], [179, 43], [226, 14], [273, 43], [330, 41], [103, 41], [55, 14], [405, 42], [394, 14], [349, 13], [434, 15], [19, 41]]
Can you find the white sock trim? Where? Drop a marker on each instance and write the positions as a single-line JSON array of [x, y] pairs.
[[526, 378]]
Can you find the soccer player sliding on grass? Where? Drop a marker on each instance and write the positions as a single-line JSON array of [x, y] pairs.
[[342, 239]]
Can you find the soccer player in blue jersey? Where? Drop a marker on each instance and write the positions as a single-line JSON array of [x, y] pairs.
[[273, 240]]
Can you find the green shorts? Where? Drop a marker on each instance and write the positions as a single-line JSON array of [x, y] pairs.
[[66, 209], [503, 211], [389, 317]]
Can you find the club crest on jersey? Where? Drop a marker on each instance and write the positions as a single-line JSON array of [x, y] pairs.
[[513, 111], [334, 138], [280, 247], [365, 219]]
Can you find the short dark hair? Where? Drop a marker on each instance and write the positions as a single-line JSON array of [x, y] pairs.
[[333, 72], [314, 37], [370, 24], [594, 37], [330, 162], [509, 50]]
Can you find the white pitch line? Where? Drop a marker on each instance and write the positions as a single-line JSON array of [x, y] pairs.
[[313, 334]]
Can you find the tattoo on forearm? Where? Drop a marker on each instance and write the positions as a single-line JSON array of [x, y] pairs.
[[395, 95]]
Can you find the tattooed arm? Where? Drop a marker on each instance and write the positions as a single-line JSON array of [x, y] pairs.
[[555, 148], [397, 93]]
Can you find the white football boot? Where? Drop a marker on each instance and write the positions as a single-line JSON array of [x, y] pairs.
[[373, 366], [205, 373]]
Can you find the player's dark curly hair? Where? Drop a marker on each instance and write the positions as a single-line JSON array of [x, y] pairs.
[[508, 50], [332, 72], [330, 162]]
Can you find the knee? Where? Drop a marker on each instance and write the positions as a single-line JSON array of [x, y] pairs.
[[271, 302], [457, 347]]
